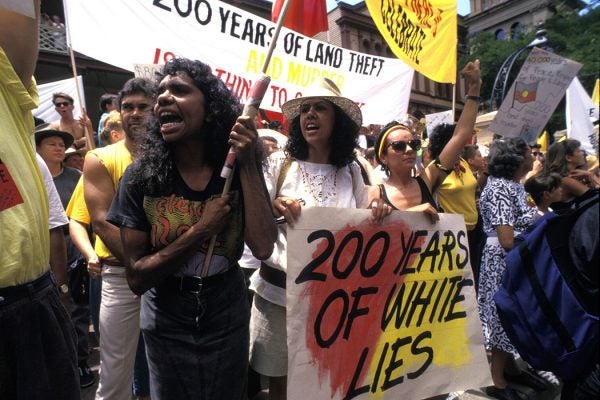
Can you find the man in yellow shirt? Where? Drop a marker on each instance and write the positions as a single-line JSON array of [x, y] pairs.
[[37, 341]]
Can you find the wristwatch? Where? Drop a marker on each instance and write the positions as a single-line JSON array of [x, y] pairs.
[[64, 288]]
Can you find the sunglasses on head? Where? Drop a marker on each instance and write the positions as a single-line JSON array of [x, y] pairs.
[[62, 104], [400, 145]]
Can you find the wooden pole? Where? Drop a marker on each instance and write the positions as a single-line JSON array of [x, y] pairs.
[[250, 109]]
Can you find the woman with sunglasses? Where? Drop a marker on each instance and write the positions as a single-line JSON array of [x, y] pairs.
[[396, 150]]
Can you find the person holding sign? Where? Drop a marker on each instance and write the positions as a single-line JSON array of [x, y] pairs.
[[396, 148], [317, 169], [169, 205]]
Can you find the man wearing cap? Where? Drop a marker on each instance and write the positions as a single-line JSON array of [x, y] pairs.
[[74, 158], [37, 341]]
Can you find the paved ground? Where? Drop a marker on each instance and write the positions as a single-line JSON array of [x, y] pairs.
[[471, 394]]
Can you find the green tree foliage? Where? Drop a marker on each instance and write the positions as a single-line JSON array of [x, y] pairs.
[[570, 35]]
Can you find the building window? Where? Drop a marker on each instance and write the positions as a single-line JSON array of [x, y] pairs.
[[377, 48], [500, 34], [366, 46], [516, 31]]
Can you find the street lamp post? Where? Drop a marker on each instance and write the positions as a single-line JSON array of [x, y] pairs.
[[501, 81]]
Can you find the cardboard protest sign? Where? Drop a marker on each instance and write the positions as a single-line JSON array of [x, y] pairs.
[[235, 43], [537, 90], [435, 119], [381, 311]]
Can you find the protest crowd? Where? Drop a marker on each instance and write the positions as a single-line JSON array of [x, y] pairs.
[[130, 229]]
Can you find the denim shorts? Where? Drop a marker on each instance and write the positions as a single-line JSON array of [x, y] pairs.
[[197, 344]]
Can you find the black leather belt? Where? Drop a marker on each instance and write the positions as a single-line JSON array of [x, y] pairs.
[[272, 275], [11, 294], [194, 284]]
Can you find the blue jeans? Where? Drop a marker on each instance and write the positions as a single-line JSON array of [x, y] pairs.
[[38, 358], [197, 344]]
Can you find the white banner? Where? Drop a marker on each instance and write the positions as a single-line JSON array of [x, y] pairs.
[[46, 109], [381, 311], [537, 90], [580, 112], [234, 43]]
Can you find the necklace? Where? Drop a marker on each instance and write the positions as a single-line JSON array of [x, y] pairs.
[[320, 186]]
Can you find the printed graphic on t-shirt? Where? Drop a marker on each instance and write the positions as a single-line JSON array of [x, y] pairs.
[[9, 193], [172, 216]]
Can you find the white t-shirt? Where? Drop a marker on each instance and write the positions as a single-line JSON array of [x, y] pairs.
[[317, 185], [57, 216]]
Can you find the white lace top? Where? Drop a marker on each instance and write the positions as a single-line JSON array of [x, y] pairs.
[[318, 185]]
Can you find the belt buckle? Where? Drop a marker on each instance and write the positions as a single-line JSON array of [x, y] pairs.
[[196, 279]]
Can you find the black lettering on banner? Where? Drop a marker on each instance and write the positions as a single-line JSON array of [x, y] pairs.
[[354, 235], [356, 311], [462, 237], [457, 298], [374, 269], [337, 294], [386, 346], [353, 391], [394, 364], [416, 350], [205, 19], [407, 35], [188, 8], [292, 43], [308, 273], [408, 248], [158, 3]]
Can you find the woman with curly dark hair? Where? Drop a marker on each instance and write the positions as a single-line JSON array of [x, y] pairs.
[[194, 315], [505, 213], [315, 170]]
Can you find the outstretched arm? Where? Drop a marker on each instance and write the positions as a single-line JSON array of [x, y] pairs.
[[433, 175], [19, 38]]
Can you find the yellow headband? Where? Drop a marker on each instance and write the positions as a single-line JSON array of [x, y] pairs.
[[385, 135]]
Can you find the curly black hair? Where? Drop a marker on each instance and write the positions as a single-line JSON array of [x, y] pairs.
[[155, 165], [137, 85], [506, 156], [439, 138], [343, 140]]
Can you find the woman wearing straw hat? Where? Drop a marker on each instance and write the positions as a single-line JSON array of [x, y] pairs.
[[396, 147], [315, 170]]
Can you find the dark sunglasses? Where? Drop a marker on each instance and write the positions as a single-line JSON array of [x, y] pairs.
[[537, 154], [400, 145], [62, 104]]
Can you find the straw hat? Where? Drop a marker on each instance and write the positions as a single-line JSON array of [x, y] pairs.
[[70, 151], [42, 132], [323, 88]]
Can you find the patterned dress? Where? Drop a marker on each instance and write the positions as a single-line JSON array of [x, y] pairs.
[[502, 202]]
